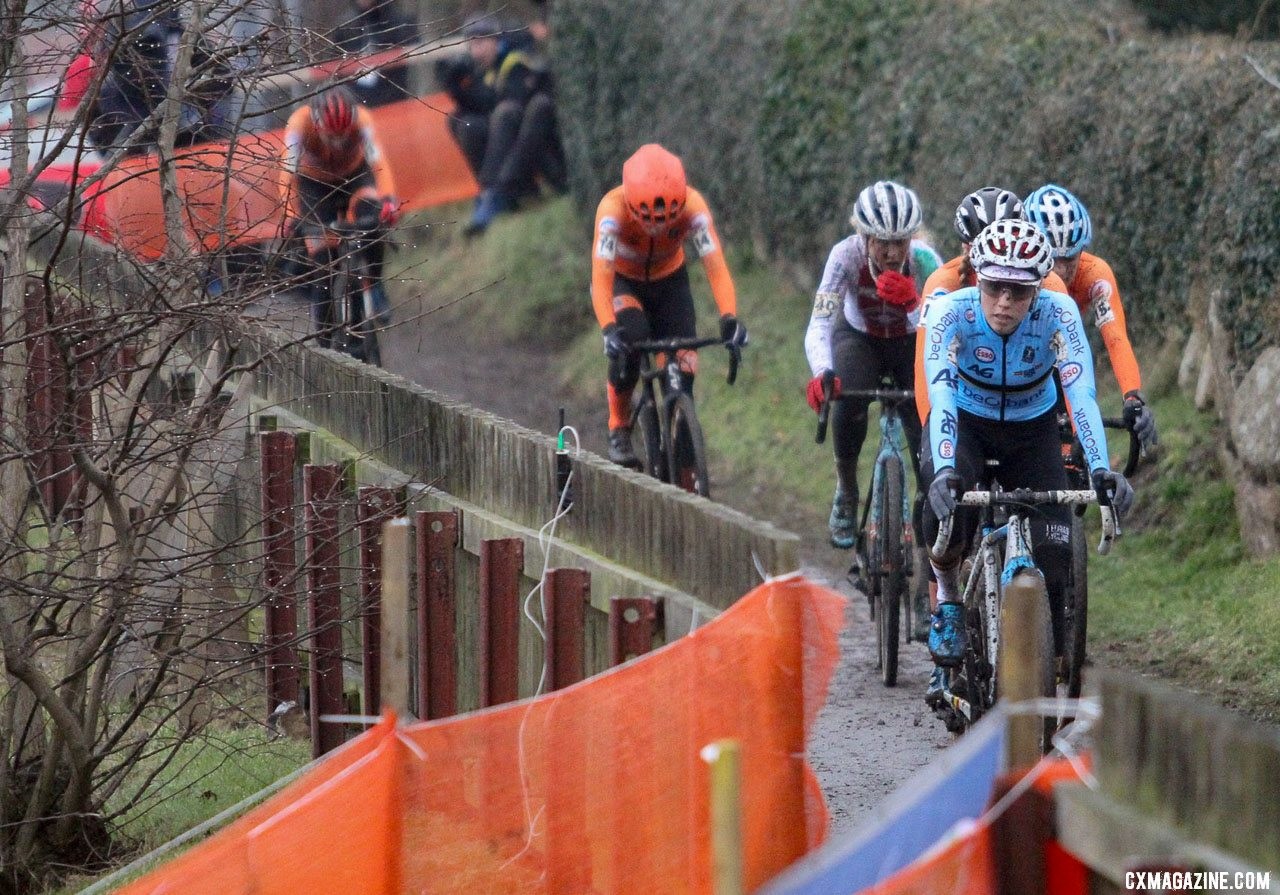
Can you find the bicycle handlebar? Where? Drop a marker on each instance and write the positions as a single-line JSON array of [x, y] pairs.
[[1025, 497], [1135, 447], [363, 225], [883, 395], [692, 343]]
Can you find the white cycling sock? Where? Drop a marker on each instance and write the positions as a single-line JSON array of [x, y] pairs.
[[948, 583]]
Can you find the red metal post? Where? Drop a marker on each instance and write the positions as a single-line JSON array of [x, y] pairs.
[[322, 491], [374, 506], [278, 453], [501, 560], [565, 595], [437, 534], [632, 622]]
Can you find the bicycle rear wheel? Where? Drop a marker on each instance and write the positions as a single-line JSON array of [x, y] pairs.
[[1076, 620], [686, 451], [653, 459], [368, 326], [891, 568]]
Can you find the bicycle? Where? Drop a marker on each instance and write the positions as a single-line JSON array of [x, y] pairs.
[[885, 545], [672, 446], [350, 321], [1003, 594], [1076, 609]]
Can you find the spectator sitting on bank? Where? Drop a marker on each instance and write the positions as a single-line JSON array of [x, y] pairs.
[[375, 25], [505, 120]]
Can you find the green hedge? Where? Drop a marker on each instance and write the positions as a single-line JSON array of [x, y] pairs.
[[1171, 144]]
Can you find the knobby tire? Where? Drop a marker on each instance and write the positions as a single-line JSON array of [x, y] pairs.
[[686, 451], [890, 569], [1076, 621], [653, 457]]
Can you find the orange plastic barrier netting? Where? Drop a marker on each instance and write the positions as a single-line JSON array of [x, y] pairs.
[[230, 191], [598, 788]]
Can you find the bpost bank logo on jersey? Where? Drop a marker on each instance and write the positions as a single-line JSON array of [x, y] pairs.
[[1070, 373], [984, 354]]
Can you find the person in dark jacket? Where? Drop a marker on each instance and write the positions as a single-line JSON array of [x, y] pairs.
[[375, 25], [505, 121]]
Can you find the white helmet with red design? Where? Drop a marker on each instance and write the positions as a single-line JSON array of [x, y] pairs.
[[1012, 251]]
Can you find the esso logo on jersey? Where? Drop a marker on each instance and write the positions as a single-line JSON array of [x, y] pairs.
[[946, 449], [1070, 373], [969, 316], [984, 354]]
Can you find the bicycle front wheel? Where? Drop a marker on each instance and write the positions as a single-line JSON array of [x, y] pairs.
[[1076, 621], [891, 568], [653, 459], [686, 451]]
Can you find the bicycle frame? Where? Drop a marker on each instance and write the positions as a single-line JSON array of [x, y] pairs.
[[893, 443], [674, 395], [990, 574]]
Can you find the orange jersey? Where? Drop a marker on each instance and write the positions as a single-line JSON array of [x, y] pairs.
[[307, 155], [948, 278], [623, 247], [1094, 288]]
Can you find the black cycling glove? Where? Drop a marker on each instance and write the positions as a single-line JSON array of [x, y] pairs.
[[943, 492], [732, 332], [1113, 490], [1140, 418]]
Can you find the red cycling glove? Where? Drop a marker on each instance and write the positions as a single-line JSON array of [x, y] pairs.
[[898, 289], [814, 392], [389, 214]]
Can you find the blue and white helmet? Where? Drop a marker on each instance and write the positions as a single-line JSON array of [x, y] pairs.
[[1062, 217], [886, 210]]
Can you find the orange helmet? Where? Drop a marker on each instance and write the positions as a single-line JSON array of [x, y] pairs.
[[653, 186], [334, 112]]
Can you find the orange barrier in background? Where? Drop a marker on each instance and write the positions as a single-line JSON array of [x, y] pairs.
[[595, 788], [230, 192]]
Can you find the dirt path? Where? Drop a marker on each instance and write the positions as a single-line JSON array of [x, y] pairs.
[[868, 738]]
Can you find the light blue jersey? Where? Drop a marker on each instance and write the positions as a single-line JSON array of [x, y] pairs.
[[972, 368]]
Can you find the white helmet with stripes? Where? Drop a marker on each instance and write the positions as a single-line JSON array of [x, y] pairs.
[[886, 210]]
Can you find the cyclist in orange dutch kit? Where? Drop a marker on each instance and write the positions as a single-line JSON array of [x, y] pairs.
[[640, 282], [1092, 285], [335, 169]]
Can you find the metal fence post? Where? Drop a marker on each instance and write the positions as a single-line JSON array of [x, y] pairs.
[[279, 566], [501, 560], [632, 623], [322, 489], [437, 614], [565, 596]]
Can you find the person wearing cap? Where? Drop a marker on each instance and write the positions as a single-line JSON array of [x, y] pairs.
[[990, 354], [505, 121]]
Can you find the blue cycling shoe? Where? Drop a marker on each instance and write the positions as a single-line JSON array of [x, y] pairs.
[[937, 683], [947, 638], [844, 520]]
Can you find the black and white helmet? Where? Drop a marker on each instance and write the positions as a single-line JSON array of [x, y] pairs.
[[886, 210], [1012, 251], [983, 207]]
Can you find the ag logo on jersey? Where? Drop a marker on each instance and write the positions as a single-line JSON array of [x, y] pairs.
[[984, 354], [1070, 373], [607, 244]]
